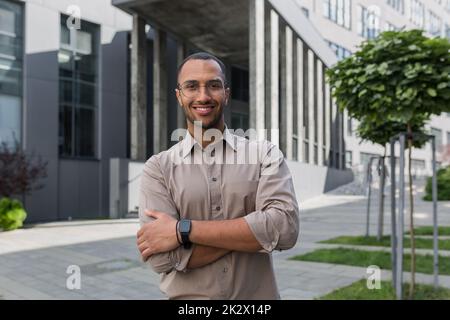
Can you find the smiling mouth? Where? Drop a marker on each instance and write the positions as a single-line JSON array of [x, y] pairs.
[[203, 110]]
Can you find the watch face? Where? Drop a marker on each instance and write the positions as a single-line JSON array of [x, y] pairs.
[[185, 226]]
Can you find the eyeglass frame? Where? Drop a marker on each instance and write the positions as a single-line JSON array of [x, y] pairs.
[[179, 87]]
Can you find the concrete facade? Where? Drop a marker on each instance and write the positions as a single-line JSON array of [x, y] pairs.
[[74, 187], [386, 15]]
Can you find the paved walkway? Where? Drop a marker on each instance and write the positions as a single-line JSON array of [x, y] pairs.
[[34, 260]]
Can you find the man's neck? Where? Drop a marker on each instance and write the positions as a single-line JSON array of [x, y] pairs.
[[204, 142]]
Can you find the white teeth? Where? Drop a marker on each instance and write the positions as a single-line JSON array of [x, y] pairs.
[[203, 109]]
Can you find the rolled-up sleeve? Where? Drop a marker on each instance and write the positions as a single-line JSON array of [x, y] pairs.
[[275, 222], [154, 195]]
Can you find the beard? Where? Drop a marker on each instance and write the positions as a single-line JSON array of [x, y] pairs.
[[205, 125]]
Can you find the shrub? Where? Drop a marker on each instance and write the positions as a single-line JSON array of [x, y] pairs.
[[19, 172], [443, 184], [12, 214]]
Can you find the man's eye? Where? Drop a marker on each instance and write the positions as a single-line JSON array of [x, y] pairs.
[[215, 85], [190, 87]]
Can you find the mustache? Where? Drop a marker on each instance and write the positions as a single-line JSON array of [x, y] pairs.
[[203, 103]]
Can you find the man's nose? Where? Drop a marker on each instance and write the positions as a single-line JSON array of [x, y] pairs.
[[203, 94]]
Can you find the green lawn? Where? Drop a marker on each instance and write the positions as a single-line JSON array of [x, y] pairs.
[[421, 243], [359, 291], [428, 231], [361, 258]]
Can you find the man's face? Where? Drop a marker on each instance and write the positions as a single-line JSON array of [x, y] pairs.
[[203, 95]]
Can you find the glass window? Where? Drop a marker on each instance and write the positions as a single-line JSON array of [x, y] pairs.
[[348, 159], [369, 22], [78, 90], [340, 51], [305, 11], [398, 5], [239, 84], [11, 51], [434, 24], [390, 27], [438, 136], [417, 14], [338, 11], [10, 119]]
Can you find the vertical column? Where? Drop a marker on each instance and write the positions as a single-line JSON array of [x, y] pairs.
[[181, 53], [267, 74], [257, 65], [311, 123], [335, 131], [138, 125], [282, 107], [300, 132], [289, 92], [320, 111], [341, 141], [274, 77], [327, 123], [160, 125]]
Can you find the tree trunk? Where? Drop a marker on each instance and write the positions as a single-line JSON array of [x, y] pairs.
[[381, 197], [411, 216]]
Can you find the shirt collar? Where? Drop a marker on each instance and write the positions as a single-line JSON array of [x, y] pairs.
[[189, 142]]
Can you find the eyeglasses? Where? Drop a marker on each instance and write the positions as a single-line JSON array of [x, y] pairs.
[[191, 89]]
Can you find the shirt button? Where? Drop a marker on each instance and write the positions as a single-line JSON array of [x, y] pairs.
[[225, 270], [214, 179], [217, 208]]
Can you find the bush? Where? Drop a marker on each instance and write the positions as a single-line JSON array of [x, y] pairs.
[[19, 172], [443, 185], [12, 214]]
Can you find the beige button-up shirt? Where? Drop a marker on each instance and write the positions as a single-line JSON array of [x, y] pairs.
[[230, 178]]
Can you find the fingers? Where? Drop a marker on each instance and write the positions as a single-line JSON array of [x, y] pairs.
[[147, 253], [140, 240], [142, 247]]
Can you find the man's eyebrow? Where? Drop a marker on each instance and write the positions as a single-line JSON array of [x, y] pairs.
[[190, 81]]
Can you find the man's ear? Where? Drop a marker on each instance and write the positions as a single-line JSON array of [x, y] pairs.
[[227, 95], [177, 93]]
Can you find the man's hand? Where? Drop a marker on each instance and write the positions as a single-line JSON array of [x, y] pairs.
[[157, 236]]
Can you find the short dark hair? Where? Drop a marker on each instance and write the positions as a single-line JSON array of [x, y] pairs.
[[204, 56]]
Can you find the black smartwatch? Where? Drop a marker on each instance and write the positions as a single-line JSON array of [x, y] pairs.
[[185, 230]]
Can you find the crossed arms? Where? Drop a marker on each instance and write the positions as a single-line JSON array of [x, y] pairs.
[[273, 225]]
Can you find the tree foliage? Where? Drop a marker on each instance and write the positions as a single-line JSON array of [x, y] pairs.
[[394, 78]]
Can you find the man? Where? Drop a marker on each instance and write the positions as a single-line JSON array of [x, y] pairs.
[[209, 227]]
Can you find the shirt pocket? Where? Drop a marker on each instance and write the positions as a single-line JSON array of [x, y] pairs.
[[240, 197]]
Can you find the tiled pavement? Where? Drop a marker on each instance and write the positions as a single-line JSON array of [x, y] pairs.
[[34, 261]]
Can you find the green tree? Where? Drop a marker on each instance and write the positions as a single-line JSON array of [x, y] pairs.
[[400, 77]]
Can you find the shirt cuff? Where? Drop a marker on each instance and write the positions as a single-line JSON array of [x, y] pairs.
[[263, 229], [179, 258]]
